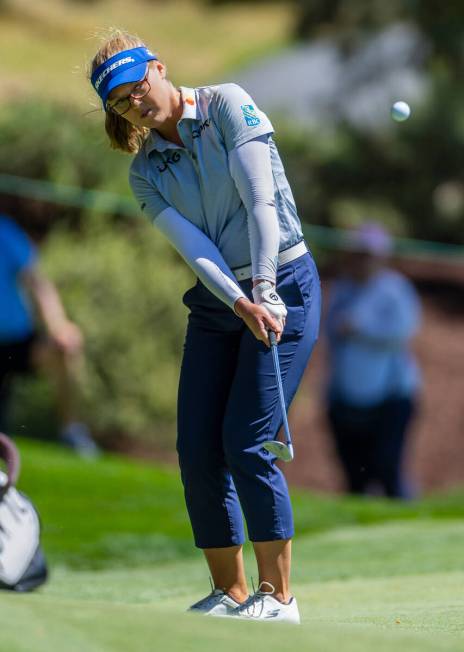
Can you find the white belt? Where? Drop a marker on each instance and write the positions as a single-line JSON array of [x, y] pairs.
[[245, 272]]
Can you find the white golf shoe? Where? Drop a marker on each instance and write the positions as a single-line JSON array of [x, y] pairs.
[[263, 606], [217, 603]]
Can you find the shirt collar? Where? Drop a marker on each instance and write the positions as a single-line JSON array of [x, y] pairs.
[[190, 111]]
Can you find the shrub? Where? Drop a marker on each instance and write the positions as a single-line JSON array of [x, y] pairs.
[[120, 281], [124, 288]]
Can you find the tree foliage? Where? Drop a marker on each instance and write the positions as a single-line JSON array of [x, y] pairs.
[[123, 284], [410, 177], [443, 23], [119, 279]]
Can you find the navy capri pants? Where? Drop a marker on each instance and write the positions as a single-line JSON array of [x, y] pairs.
[[228, 406]]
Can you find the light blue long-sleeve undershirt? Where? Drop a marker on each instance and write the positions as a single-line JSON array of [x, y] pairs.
[[251, 170], [201, 254], [250, 167]]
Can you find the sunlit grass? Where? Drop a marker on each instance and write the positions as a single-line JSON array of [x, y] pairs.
[[368, 574], [117, 511], [45, 45]]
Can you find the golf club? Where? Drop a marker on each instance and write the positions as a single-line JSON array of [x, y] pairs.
[[282, 451]]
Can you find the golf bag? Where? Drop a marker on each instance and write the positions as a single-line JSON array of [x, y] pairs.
[[22, 562]]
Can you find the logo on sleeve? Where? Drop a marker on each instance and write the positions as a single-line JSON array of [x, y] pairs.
[[249, 113]]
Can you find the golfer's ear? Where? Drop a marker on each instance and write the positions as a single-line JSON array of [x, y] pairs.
[[161, 68]]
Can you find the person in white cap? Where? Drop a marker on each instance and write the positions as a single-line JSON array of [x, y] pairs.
[[208, 175], [373, 314]]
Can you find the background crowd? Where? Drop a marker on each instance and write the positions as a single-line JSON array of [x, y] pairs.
[[383, 206]]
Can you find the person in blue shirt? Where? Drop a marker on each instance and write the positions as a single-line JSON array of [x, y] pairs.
[[36, 334], [206, 172], [373, 314]]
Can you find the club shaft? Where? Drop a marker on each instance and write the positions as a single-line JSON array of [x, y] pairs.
[[275, 357]]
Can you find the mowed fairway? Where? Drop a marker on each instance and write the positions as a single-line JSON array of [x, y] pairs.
[[125, 571]]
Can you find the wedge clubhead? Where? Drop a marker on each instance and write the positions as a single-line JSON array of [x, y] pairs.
[[283, 451]]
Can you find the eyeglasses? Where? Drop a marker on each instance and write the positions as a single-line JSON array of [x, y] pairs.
[[122, 106]]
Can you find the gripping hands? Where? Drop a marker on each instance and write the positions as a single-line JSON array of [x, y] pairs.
[[265, 294], [267, 313]]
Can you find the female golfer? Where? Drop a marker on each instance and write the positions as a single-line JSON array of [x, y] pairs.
[[208, 175]]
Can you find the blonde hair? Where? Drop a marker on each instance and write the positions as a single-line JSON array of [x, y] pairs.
[[122, 134]]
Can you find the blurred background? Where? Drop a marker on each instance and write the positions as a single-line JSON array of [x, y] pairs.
[[327, 72]]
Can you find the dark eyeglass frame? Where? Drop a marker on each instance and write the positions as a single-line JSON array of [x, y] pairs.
[[135, 95]]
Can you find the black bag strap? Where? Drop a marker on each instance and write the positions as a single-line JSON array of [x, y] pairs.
[[9, 453]]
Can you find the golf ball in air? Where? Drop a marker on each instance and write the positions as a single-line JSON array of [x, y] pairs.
[[400, 111]]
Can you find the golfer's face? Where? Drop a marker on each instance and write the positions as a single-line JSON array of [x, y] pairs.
[[150, 99]]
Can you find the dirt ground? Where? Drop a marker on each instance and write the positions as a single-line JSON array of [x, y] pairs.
[[435, 452]]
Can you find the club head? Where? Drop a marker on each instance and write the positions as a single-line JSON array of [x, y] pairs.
[[280, 450]]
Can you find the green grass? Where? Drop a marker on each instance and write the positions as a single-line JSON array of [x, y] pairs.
[[367, 573], [56, 39], [417, 614], [127, 511]]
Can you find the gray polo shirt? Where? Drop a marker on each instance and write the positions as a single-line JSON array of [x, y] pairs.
[[195, 179]]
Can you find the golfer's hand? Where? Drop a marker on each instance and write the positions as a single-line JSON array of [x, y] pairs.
[[265, 294], [258, 319]]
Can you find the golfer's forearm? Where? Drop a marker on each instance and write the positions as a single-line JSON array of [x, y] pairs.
[[201, 254], [216, 279], [251, 169]]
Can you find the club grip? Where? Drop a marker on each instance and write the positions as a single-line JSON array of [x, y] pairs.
[[272, 338]]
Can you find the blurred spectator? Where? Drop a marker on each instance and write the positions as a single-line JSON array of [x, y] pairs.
[[35, 333], [372, 315]]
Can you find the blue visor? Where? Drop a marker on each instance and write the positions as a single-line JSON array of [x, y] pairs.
[[124, 67]]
